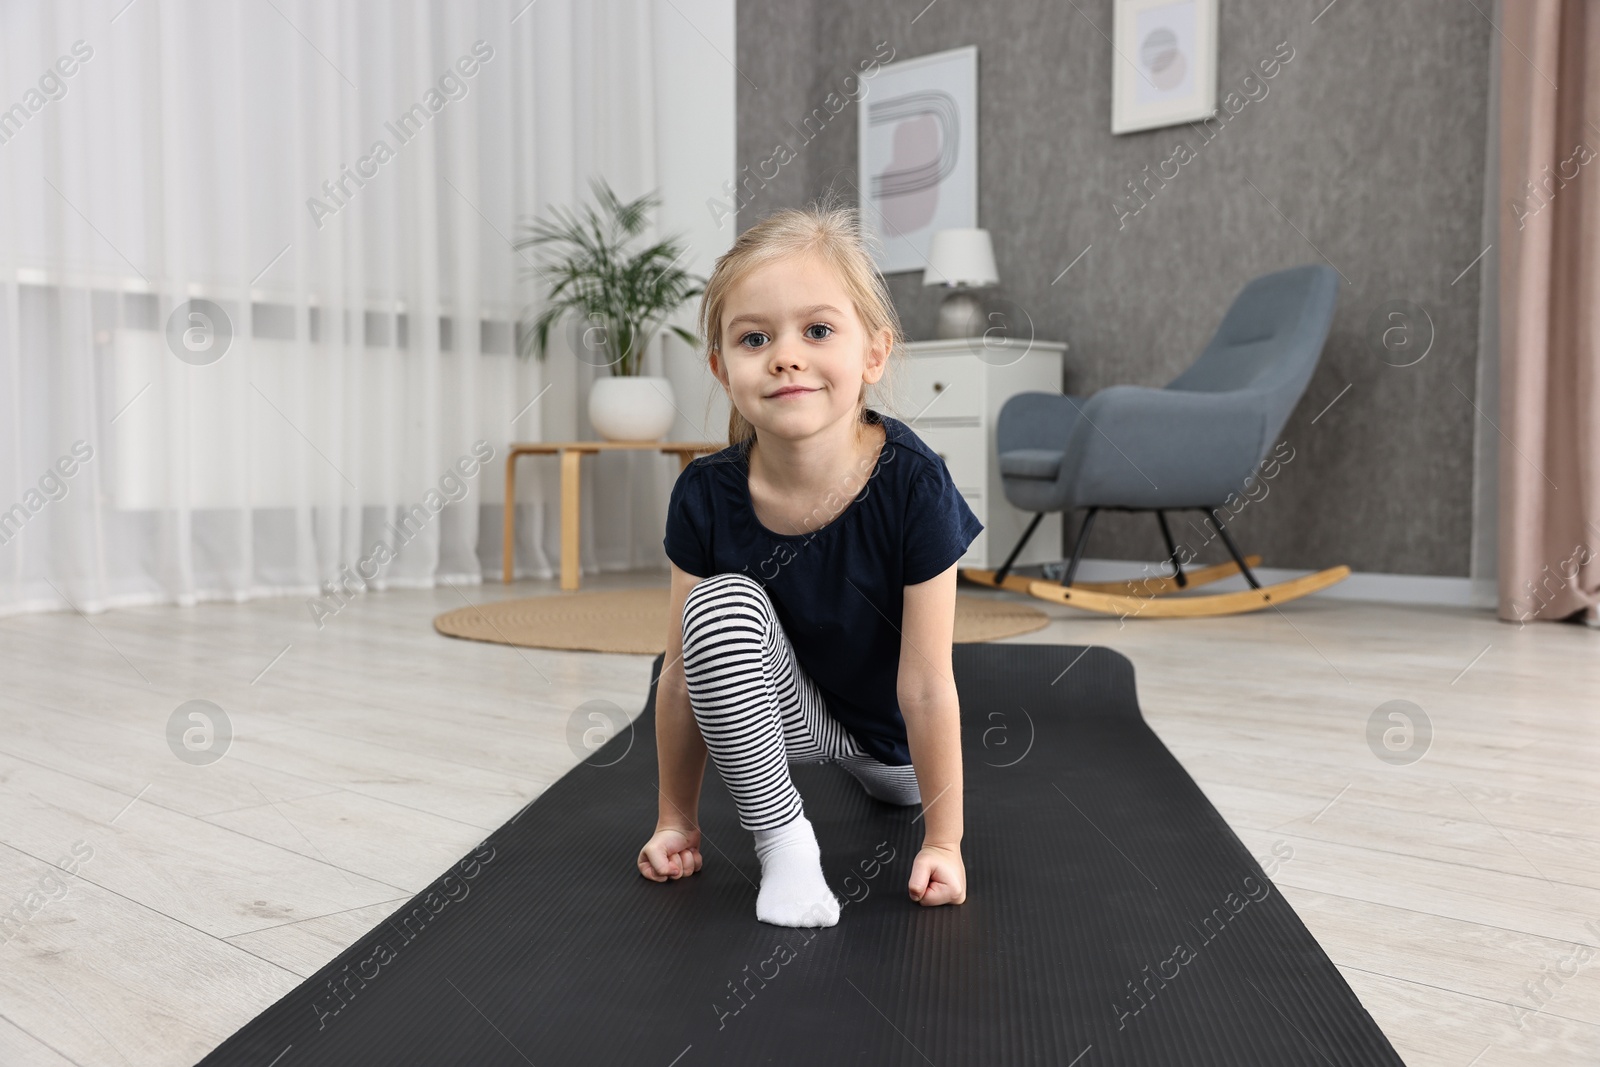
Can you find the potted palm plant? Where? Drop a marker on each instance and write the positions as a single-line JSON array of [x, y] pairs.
[[617, 299]]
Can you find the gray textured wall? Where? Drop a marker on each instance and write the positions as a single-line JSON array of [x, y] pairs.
[[1370, 141]]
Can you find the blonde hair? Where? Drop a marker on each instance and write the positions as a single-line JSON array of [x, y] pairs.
[[825, 229]]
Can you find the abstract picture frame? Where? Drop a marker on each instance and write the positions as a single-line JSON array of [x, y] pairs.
[[917, 155], [1164, 70]]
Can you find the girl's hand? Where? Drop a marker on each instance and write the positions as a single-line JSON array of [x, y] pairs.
[[670, 853], [938, 876]]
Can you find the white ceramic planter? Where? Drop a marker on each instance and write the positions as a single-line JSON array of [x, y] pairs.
[[636, 408]]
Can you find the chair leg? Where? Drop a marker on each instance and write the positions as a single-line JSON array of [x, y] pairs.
[[1077, 549], [1244, 568], [1172, 552], [1005, 568]]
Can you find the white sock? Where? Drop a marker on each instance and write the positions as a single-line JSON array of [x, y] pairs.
[[793, 890]]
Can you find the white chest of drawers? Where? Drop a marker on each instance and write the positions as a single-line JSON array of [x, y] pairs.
[[950, 393]]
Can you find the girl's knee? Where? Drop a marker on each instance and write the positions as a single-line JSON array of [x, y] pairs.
[[902, 796], [721, 585], [720, 602], [890, 785]]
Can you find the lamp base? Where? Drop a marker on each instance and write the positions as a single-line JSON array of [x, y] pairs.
[[960, 315]]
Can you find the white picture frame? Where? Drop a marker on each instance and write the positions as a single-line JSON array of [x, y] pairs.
[[917, 155], [1164, 70]]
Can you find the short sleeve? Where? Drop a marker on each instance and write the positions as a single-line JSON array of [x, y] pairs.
[[938, 525], [687, 539]]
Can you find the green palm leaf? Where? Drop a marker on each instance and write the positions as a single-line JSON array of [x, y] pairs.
[[592, 276]]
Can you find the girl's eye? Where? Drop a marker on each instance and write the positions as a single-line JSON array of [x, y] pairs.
[[756, 338]]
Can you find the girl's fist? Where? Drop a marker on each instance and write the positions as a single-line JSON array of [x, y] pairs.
[[938, 876], [670, 853]]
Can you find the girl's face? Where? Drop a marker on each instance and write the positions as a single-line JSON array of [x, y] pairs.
[[794, 355]]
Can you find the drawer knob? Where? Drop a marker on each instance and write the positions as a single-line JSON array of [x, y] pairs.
[[938, 387]]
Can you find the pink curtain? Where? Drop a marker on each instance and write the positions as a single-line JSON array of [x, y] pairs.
[[1549, 249]]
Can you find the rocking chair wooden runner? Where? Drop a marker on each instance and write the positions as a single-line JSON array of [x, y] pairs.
[[1189, 445]]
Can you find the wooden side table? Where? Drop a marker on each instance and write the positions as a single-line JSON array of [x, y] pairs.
[[572, 452]]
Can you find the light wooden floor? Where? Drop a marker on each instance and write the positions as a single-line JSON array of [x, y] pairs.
[[372, 754]]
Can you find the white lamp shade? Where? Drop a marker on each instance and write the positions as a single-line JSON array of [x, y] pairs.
[[960, 257]]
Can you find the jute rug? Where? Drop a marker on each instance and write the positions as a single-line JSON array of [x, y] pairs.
[[635, 621]]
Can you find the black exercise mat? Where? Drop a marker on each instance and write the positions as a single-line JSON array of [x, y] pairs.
[[1112, 917]]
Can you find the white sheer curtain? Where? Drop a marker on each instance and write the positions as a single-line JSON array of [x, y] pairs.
[[164, 153]]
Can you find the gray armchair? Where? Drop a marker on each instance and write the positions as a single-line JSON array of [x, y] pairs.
[[1185, 445]]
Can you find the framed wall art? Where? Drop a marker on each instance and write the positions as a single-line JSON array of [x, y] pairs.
[[1165, 66], [917, 154]]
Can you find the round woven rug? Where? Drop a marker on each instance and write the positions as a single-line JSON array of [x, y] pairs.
[[635, 621]]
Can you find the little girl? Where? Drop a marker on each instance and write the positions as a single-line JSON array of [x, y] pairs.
[[813, 576]]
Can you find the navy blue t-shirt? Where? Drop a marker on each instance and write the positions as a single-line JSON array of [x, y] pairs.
[[838, 589]]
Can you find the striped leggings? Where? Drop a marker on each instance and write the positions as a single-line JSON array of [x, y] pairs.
[[758, 710]]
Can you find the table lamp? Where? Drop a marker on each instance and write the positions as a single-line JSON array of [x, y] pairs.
[[962, 260]]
